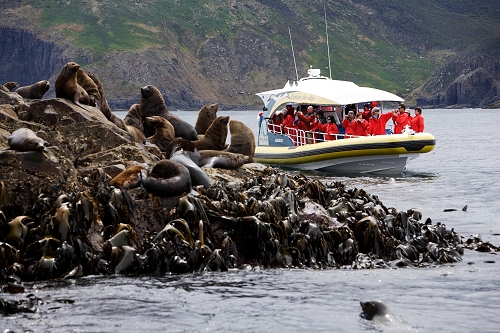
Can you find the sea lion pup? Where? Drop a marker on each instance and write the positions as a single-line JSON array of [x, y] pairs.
[[221, 159], [90, 87], [215, 136], [164, 132], [167, 179], [206, 116], [10, 85], [34, 91], [183, 151], [153, 104], [68, 87], [25, 139], [128, 178], [242, 139]]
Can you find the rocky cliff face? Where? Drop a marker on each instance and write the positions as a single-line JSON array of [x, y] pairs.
[[470, 80]]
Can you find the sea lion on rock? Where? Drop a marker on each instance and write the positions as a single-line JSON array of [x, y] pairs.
[[242, 139], [34, 91], [133, 123], [153, 104], [215, 136], [206, 116], [221, 159], [183, 151], [10, 85], [128, 178], [164, 132], [68, 87], [88, 84], [25, 139], [167, 179]]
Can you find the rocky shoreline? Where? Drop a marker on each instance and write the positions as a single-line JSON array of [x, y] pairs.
[[60, 218]]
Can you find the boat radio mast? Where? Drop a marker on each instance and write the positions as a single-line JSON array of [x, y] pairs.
[[327, 44], [295, 64]]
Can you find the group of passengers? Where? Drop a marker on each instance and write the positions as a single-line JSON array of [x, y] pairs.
[[368, 121]]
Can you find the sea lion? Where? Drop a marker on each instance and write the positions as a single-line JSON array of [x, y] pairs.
[[10, 85], [242, 139], [221, 159], [133, 123], [68, 87], [167, 179], [164, 132], [215, 136], [206, 116], [184, 152], [128, 178], [34, 91], [25, 139], [379, 314], [88, 84], [153, 104]]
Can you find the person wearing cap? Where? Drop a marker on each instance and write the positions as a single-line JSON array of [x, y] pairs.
[[376, 124], [417, 122], [400, 118], [330, 129]]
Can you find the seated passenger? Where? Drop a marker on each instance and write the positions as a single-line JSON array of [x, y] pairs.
[[330, 129], [376, 124]]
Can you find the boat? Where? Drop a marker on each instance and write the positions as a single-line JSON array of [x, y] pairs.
[[385, 155]]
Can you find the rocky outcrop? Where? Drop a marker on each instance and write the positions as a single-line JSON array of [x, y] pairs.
[[470, 80]]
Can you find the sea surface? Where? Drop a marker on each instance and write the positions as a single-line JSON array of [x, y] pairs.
[[462, 170]]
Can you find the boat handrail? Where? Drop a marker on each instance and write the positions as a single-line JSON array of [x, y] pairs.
[[302, 137]]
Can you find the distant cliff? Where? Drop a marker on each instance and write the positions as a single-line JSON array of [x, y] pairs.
[[206, 52], [472, 79]]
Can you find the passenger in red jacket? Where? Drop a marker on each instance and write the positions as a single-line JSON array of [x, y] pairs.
[[417, 122], [330, 129], [376, 124], [289, 126], [360, 127], [367, 113], [400, 118], [348, 123]]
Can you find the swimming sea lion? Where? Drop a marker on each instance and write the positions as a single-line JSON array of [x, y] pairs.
[[25, 139], [88, 84], [167, 179], [153, 104], [34, 91], [10, 85], [164, 132], [206, 116], [128, 178], [215, 136], [68, 87], [242, 139], [377, 312], [221, 159]]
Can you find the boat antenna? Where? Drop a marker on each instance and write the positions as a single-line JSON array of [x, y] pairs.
[[327, 44], [295, 64]]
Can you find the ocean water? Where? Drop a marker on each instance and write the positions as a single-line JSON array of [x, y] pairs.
[[462, 170]]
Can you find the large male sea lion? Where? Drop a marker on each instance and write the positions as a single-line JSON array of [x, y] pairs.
[[215, 136], [34, 91], [68, 87], [25, 139], [206, 116], [167, 179], [153, 104], [242, 139], [164, 132]]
